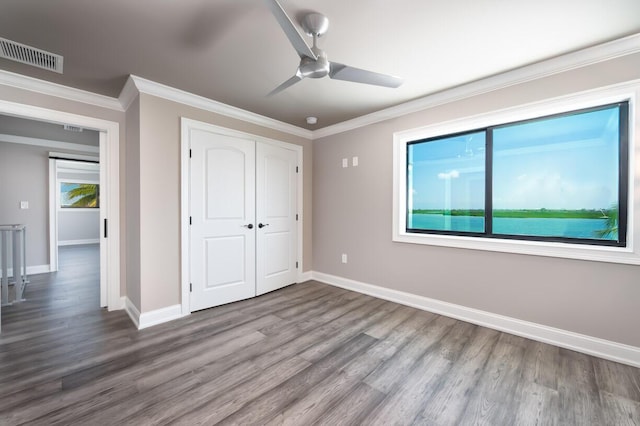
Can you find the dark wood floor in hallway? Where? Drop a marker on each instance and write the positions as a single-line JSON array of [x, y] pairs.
[[307, 354]]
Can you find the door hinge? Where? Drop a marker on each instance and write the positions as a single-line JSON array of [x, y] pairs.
[[190, 220], [190, 287], [296, 265], [189, 153], [296, 216], [296, 169], [106, 232]]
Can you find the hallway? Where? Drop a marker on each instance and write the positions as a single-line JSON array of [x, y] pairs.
[[53, 299]]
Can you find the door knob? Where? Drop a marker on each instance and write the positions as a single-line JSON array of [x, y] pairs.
[[262, 225], [250, 226]]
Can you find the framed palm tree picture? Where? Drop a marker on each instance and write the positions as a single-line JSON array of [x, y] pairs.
[[79, 195]]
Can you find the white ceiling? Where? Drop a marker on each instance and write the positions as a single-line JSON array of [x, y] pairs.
[[233, 51]]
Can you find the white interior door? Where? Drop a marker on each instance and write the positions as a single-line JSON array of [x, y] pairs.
[[222, 240], [276, 234]]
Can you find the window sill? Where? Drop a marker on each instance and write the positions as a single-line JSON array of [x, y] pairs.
[[624, 255]]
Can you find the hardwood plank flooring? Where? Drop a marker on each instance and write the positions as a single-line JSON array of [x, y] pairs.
[[308, 354]]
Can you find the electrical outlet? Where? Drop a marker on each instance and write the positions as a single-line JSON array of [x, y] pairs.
[[345, 162], [24, 205], [354, 161], [344, 258]]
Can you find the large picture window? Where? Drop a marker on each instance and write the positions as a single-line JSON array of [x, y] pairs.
[[559, 178]]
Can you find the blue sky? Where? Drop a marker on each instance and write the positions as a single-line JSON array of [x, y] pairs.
[[64, 193], [568, 162]]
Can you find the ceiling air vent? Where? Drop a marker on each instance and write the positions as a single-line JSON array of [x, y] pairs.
[[30, 55], [71, 128]]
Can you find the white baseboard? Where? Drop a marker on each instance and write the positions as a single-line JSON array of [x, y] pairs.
[[132, 311], [78, 242], [601, 348], [148, 319], [305, 276], [38, 269], [31, 270]]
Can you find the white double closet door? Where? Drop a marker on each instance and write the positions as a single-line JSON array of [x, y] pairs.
[[243, 233]]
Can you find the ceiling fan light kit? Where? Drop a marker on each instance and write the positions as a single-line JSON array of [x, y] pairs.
[[313, 60]]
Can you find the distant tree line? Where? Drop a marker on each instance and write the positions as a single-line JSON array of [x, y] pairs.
[[527, 213]]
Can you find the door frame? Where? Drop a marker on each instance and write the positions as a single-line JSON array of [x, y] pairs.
[[186, 125], [109, 184]]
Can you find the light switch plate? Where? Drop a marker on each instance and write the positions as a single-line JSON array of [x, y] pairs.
[[354, 161], [345, 162], [24, 205]]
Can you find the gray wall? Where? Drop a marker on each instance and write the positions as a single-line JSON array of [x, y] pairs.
[[131, 220], [159, 193], [353, 214], [24, 176], [78, 225]]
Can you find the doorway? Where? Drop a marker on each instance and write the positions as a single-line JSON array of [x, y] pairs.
[[109, 184], [74, 208], [241, 202]]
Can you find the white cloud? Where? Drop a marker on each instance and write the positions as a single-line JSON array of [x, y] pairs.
[[549, 190], [450, 175]]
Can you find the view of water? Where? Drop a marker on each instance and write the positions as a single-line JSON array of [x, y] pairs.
[[541, 227]]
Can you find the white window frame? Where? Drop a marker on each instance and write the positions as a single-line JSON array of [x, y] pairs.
[[603, 96]]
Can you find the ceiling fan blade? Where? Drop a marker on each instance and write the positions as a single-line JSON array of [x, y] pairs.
[[290, 30], [357, 75], [293, 80]]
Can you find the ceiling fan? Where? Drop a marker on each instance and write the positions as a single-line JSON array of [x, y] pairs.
[[313, 60]]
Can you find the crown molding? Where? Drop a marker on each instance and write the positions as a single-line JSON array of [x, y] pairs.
[[58, 90], [128, 93], [581, 58], [166, 92], [134, 85]]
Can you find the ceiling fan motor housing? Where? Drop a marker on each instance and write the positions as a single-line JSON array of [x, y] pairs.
[[315, 68]]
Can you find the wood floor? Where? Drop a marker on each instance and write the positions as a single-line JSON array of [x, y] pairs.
[[307, 354]]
